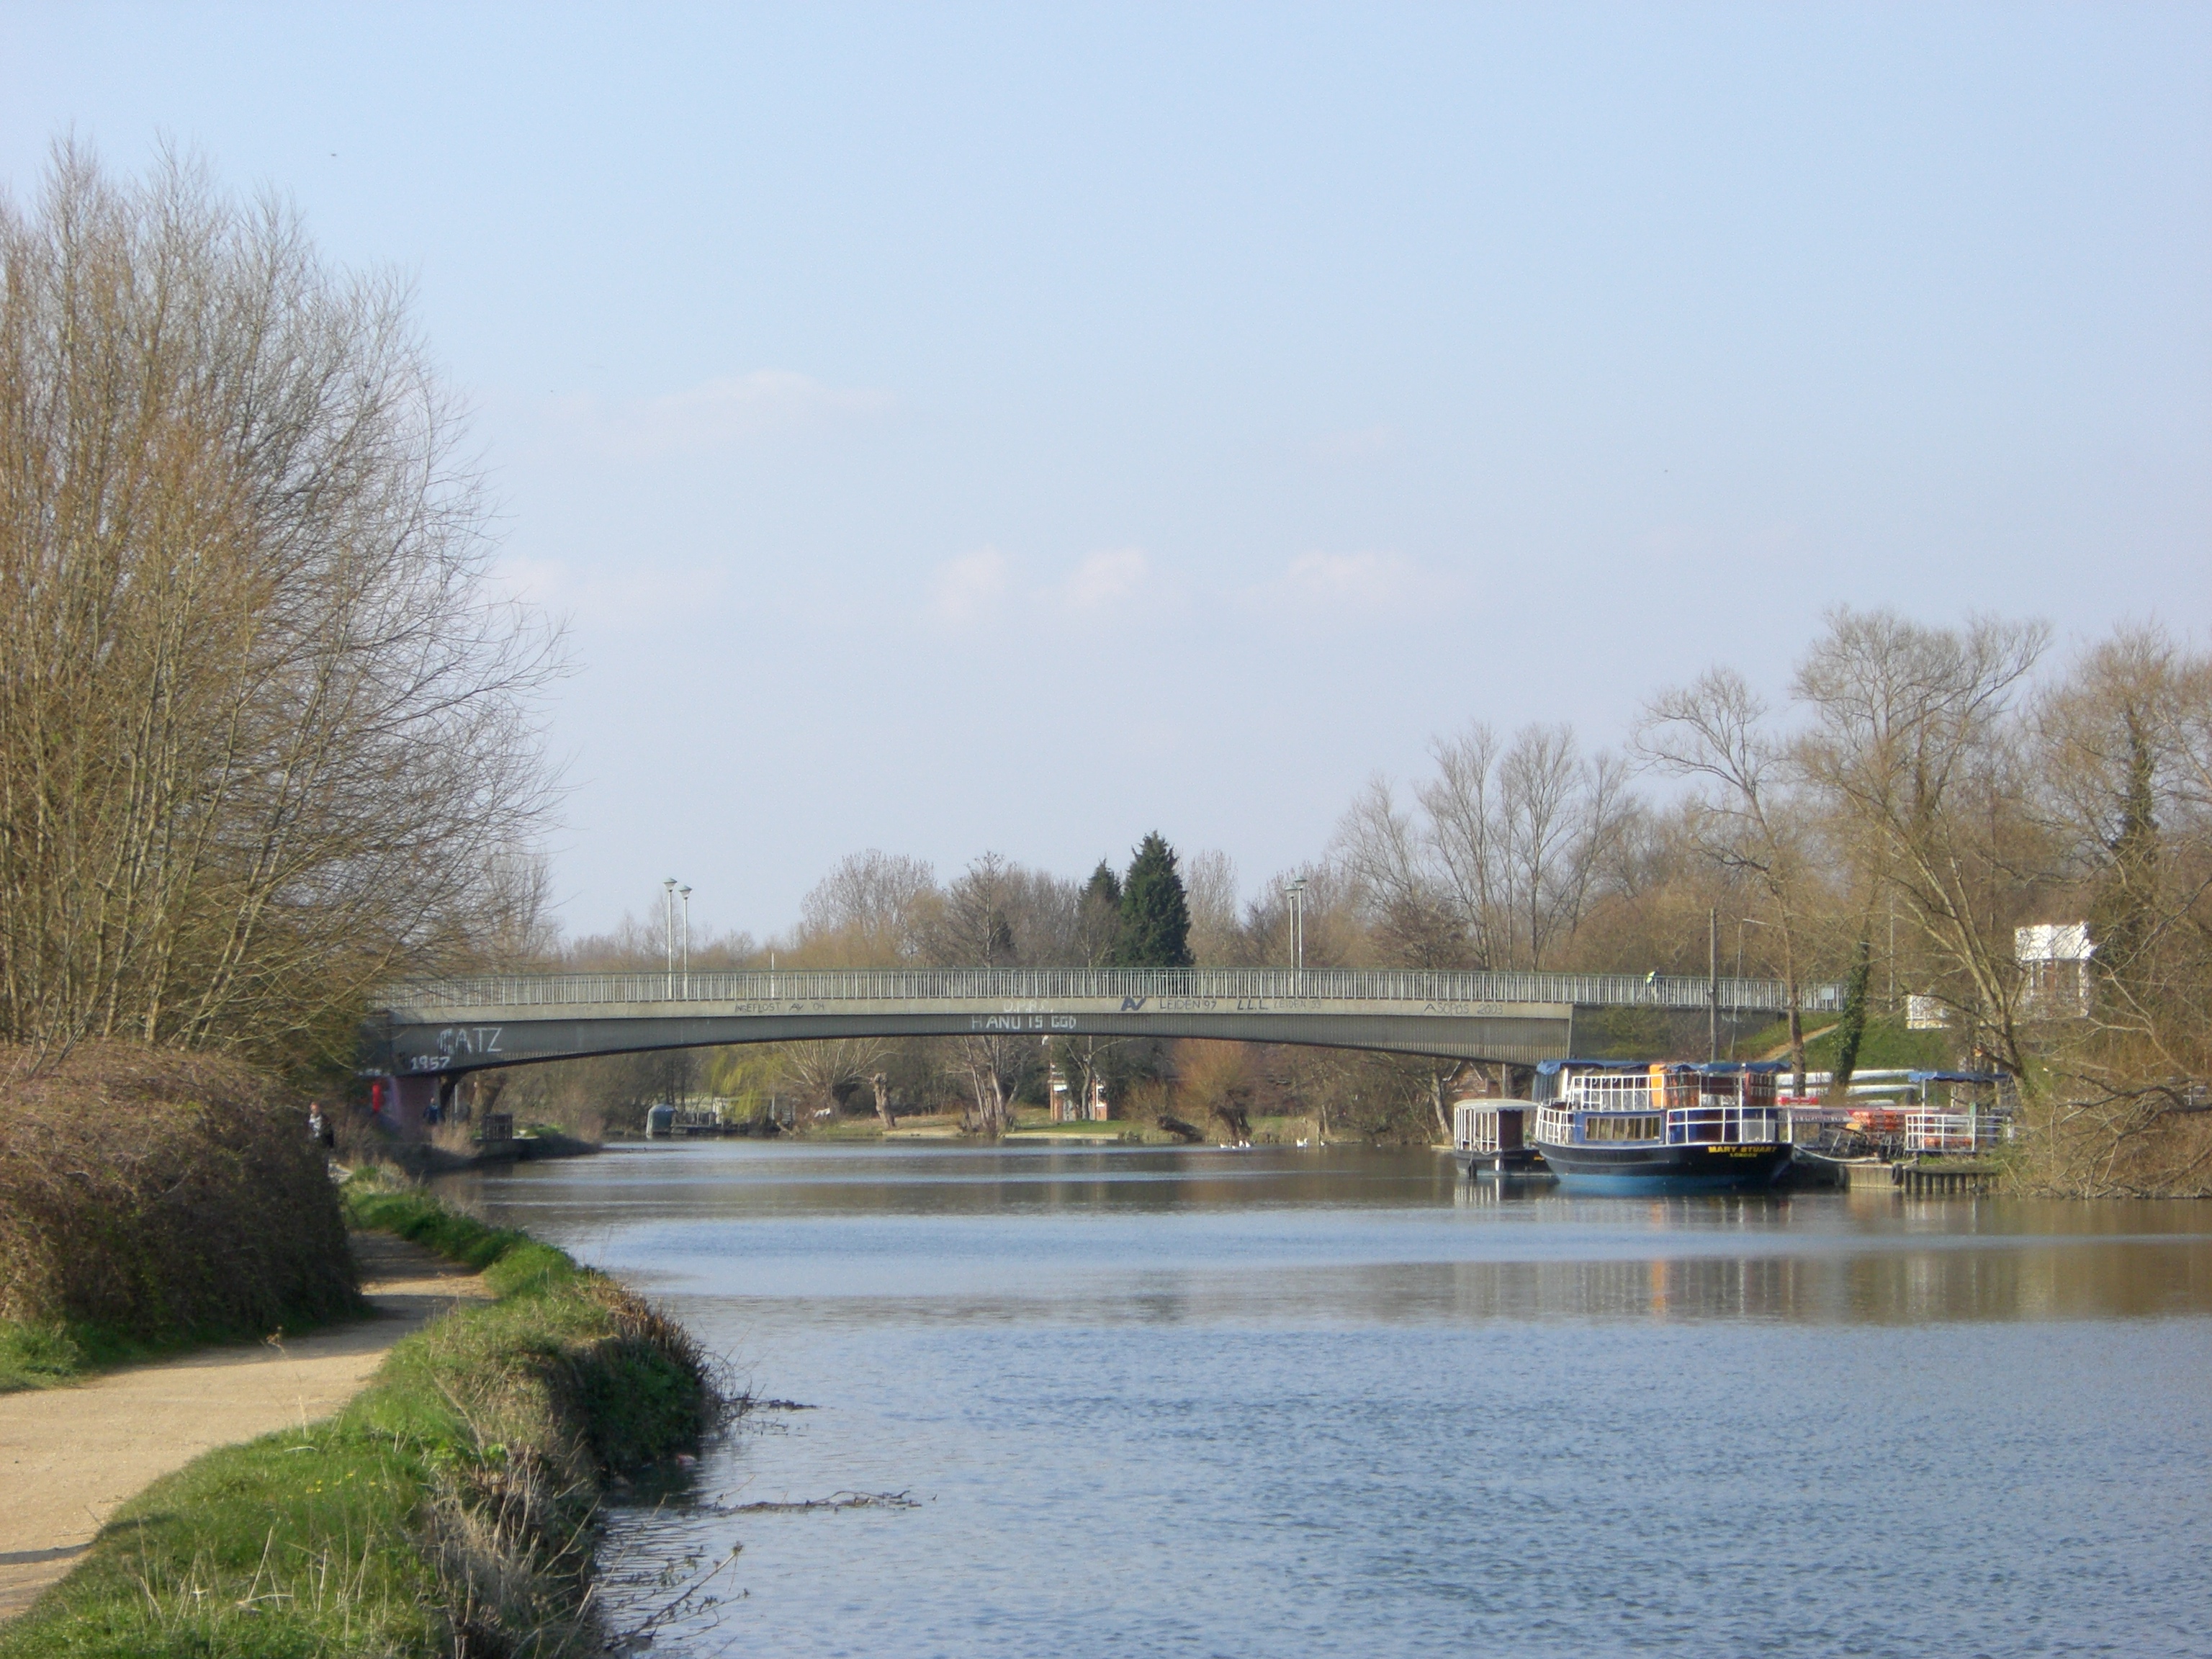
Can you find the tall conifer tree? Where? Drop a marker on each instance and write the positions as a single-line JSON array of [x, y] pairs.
[[1098, 918], [1155, 913], [1104, 887]]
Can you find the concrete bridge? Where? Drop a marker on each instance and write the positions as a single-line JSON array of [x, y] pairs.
[[430, 1033]]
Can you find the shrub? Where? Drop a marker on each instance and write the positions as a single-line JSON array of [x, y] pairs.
[[160, 1196]]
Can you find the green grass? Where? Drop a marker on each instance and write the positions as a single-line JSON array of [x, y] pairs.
[[511, 1261], [39, 1356], [447, 1509], [1885, 1045]]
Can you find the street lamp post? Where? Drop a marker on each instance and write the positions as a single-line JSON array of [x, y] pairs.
[[668, 931], [1298, 892], [1713, 983], [1742, 922], [686, 893]]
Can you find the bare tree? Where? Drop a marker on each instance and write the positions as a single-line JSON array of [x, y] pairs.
[[830, 1072], [983, 922], [2123, 748], [522, 931], [1468, 834], [1048, 924], [1561, 816], [1214, 1080], [1209, 880], [640, 942], [264, 723], [881, 1083], [975, 926], [878, 908], [1498, 865], [1913, 743], [1327, 904], [1097, 922], [994, 1063], [1745, 819], [1388, 853]]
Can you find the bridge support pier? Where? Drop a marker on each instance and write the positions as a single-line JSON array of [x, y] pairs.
[[405, 1102]]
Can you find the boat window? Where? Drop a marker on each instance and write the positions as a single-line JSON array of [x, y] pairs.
[[1620, 1128]]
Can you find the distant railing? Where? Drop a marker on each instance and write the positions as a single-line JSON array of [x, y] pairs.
[[1930, 1130], [1288, 985]]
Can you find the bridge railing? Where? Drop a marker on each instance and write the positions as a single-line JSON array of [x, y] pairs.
[[1383, 985]]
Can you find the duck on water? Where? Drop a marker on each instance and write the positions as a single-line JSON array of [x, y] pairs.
[[1646, 1127]]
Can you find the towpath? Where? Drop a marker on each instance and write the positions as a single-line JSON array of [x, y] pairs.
[[69, 1455]]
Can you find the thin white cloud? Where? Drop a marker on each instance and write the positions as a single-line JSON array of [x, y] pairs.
[[1105, 579], [730, 410], [987, 584], [1370, 585], [971, 588], [1367, 580]]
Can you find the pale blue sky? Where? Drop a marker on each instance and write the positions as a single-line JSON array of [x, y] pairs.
[[958, 428]]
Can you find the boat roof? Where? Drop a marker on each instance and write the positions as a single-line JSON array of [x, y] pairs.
[[1955, 1076]]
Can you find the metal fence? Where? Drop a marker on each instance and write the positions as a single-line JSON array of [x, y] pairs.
[[1288, 985]]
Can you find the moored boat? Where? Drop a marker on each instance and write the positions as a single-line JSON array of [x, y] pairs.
[[1490, 1139], [1639, 1126]]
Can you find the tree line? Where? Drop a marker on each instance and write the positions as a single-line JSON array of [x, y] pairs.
[[1921, 795]]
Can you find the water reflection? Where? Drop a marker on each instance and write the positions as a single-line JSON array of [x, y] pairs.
[[1885, 1288], [1278, 1237]]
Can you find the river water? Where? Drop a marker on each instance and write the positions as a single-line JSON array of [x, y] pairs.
[[1284, 1402]]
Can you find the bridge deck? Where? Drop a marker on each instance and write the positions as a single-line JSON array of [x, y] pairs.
[[462, 1024]]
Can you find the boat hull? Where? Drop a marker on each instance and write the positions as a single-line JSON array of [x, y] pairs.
[[1697, 1168], [1512, 1164]]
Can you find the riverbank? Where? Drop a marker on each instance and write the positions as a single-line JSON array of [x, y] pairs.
[[1035, 1125], [448, 1508], [420, 1159]]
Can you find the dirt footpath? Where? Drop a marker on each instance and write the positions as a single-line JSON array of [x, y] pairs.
[[69, 1456]]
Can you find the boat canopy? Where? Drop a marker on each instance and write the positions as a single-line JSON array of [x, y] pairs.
[[1955, 1076]]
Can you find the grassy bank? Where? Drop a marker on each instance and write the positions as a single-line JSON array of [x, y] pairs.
[[447, 1510]]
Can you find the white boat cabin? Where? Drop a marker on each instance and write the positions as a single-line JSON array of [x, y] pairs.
[[1491, 1125]]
